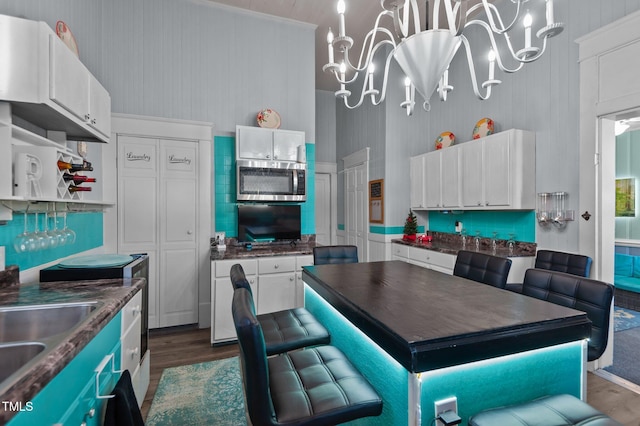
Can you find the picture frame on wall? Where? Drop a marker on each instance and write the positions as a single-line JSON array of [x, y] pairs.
[[626, 197], [376, 201]]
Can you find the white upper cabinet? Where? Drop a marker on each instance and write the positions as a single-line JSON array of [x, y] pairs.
[[48, 86], [257, 143], [492, 173]]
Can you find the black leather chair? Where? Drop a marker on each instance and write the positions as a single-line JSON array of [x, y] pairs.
[[324, 255], [584, 294], [288, 329], [484, 268], [560, 410], [570, 263], [314, 386]]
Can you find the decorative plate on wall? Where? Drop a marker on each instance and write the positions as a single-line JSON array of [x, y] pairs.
[[446, 139], [484, 127], [268, 119], [65, 34]]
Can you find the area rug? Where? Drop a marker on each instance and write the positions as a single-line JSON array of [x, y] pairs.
[[625, 355], [625, 319], [208, 393]]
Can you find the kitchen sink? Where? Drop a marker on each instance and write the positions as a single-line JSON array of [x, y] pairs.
[[16, 355], [38, 322]]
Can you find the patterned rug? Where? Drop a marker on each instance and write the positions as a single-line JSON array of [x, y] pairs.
[[209, 393], [625, 319]]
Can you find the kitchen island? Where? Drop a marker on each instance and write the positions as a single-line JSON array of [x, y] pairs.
[[421, 336]]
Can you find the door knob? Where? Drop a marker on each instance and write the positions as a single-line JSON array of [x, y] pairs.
[[189, 232]]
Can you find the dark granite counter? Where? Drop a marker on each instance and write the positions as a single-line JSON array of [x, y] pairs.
[[262, 250], [111, 294], [452, 244]]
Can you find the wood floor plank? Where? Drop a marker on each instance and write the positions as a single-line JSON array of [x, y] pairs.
[[171, 348]]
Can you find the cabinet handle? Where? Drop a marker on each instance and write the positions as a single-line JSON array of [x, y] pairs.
[[136, 310], [134, 352], [276, 266], [292, 278], [91, 413], [275, 157], [268, 157], [93, 121], [252, 281], [189, 232], [87, 117], [99, 370]]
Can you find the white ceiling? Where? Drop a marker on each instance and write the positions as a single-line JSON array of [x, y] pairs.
[[359, 16]]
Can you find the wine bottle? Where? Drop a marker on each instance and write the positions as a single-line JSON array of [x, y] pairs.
[[78, 179], [75, 167], [75, 188]]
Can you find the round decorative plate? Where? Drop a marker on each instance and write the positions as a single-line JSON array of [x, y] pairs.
[[484, 127], [66, 36], [96, 261], [268, 119], [445, 140]]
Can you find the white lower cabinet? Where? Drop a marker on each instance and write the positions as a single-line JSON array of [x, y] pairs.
[[445, 263], [130, 342], [276, 283]]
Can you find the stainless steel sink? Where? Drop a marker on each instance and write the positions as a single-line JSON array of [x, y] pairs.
[[15, 355], [38, 322]]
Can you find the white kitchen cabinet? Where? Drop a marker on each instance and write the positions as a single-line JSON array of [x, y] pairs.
[[130, 342], [492, 173], [274, 284], [257, 143]]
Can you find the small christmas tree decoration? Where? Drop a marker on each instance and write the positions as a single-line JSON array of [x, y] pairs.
[[410, 227]]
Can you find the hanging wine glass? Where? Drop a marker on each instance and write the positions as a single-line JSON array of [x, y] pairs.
[[41, 237], [60, 235], [21, 242], [70, 235], [52, 239]]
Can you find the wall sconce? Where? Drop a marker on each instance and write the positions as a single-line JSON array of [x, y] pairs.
[[551, 209]]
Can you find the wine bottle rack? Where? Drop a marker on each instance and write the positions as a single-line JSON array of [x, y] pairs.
[[63, 185]]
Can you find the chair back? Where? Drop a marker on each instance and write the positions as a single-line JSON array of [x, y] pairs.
[[584, 294], [253, 359], [238, 278], [570, 263], [483, 268], [324, 255]]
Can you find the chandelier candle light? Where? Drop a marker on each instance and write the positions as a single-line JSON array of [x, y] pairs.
[[425, 56]]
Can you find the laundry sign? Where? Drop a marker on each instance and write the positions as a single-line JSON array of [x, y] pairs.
[[180, 159]]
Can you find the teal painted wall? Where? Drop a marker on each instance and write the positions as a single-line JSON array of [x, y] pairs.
[[87, 226], [628, 166], [225, 188]]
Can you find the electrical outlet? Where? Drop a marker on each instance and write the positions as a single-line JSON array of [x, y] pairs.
[[219, 237], [448, 404]]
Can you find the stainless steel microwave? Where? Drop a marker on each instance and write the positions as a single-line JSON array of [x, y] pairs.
[[271, 181]]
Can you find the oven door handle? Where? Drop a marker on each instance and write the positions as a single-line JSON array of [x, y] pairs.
[[295, 182]]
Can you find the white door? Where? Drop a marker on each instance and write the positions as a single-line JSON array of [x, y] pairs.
[[323, 208], [179, 271], [356, 212]]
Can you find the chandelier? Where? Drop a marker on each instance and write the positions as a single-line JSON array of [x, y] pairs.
[[424, 56]]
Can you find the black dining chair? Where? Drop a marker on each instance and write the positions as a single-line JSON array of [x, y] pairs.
[[313, 386], [584, 294], [483, 268], [570, 263], [288, 329], [323, 255]]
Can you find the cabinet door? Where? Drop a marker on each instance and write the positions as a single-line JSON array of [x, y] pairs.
[[285, 145], [450, 178], [432, 184], [222, 326], [301, 261], [179, 268], [472, 175], [497, 164], [68, 79], [254, 143], [416, 181], [276, 292], [99, 107]]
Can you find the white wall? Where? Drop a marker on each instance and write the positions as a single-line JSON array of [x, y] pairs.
[[190, 59]]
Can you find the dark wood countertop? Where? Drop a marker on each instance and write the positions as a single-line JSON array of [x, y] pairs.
[[428, 320], [112, 294]]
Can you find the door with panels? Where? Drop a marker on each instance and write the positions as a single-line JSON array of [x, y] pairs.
[[157, 214]]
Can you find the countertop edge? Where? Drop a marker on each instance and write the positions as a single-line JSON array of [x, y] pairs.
[[40, 375]]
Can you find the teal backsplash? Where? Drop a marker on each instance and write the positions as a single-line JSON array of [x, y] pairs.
[[225, 188], [518, 222], [88, 227]]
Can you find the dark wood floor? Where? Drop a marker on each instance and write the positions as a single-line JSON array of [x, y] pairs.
[[184, 346]]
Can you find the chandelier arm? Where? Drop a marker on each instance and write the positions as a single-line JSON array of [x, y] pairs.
[[368, 45], [490, 9], [461, 16], [345, 81], [436, 14], [538, 55], [472, 71], [495, 47], [451, 21], [416, 16]]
